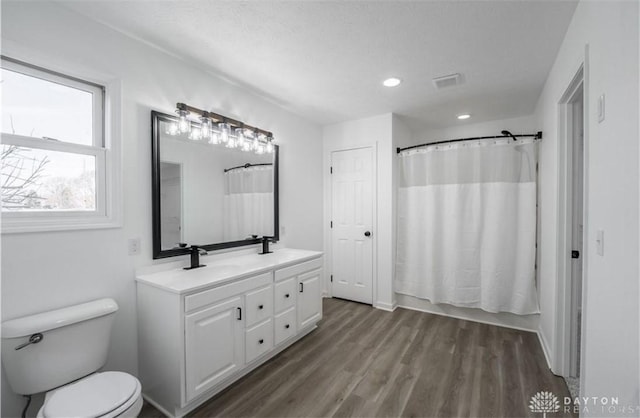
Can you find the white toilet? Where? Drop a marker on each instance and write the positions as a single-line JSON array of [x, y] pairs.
[[59, 352]]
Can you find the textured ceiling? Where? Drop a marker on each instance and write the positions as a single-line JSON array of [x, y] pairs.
[[325, 60]]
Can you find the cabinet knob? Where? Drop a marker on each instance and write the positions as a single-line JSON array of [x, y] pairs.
[[261, 341], [287, 326], [287, 295], [261, 307]]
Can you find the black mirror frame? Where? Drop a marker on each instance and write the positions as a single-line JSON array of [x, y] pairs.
[[158, 252]]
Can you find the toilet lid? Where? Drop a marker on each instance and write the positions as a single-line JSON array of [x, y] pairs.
[[93, 396]]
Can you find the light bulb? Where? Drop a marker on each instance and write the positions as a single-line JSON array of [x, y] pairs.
[[259, 139], [260, 149], [215, 137], [224, 132], [269, 147], [205, 127], [231, 142], [172, 128], [184, 125], [195, 134], [240, 137]]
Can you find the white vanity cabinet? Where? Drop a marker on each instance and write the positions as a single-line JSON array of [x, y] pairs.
[[200, 330], [214, 345]]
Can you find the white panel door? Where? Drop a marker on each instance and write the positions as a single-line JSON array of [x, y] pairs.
[[214, 342], [352, 217]]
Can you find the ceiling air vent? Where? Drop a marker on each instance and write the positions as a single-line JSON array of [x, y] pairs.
[[447, 81]]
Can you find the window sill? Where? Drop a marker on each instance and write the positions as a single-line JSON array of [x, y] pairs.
[[52, 223]]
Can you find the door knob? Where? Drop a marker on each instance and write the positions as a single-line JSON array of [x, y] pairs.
[[367, 234]]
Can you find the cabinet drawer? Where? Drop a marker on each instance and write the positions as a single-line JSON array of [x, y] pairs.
[[259, 305], [297, 269], [285, 294], [259, 340], [206, 297], [285, 324]]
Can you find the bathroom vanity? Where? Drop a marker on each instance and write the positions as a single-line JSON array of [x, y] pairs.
[[200, 330]]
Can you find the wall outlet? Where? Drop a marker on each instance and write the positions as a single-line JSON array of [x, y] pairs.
[[282, 230], [134, 246]]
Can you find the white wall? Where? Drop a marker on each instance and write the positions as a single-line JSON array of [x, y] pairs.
[[468, 129], [610, 365], [42, 271], [374, 131]]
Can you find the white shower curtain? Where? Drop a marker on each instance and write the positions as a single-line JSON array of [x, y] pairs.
[[467, 225], [248, 202]]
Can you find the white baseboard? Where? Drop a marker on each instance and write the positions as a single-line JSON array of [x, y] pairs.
[[508, 320], [386, 306], [545, 348]]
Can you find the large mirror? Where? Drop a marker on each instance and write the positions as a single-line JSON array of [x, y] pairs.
[[209, 195]]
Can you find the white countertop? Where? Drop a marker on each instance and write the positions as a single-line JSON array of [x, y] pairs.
[[220, 271]]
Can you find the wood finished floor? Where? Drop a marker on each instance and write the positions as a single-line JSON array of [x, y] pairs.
[[364, 362]]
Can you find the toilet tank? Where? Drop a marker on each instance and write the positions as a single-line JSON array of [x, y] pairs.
[[74, 344]]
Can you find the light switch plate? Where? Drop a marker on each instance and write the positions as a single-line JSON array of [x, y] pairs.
[[600, 242], [134, 246], [601, 108]]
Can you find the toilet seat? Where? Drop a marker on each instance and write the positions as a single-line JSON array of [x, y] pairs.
[[106, 394]]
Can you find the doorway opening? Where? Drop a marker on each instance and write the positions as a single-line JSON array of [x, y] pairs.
[[171, 204], [571, 245]]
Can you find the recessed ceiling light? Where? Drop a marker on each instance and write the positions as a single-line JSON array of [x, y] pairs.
[[392, 82], [464, 116]]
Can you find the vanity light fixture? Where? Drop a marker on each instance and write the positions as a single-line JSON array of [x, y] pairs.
[[216, 129], [464, 116]]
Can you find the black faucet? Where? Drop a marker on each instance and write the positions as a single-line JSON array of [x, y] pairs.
[[195, 252], [265, 244]]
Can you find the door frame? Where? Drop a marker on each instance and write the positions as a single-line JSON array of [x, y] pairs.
[[562, 356], [374, 197]]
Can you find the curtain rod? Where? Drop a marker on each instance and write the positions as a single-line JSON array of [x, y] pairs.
[[247, 165], [505, 134]]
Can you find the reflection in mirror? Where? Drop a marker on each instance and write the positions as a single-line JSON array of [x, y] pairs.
[[209, 195]]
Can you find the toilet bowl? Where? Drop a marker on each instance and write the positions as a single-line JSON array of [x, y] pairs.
[[60, 353], [105, 395]]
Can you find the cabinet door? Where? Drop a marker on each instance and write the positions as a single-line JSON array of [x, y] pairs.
[[214, 343], [309, 298]]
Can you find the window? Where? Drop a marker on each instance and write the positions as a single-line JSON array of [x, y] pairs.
[[54, 154]]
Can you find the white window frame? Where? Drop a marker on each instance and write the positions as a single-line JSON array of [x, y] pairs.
[[104, 149]]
